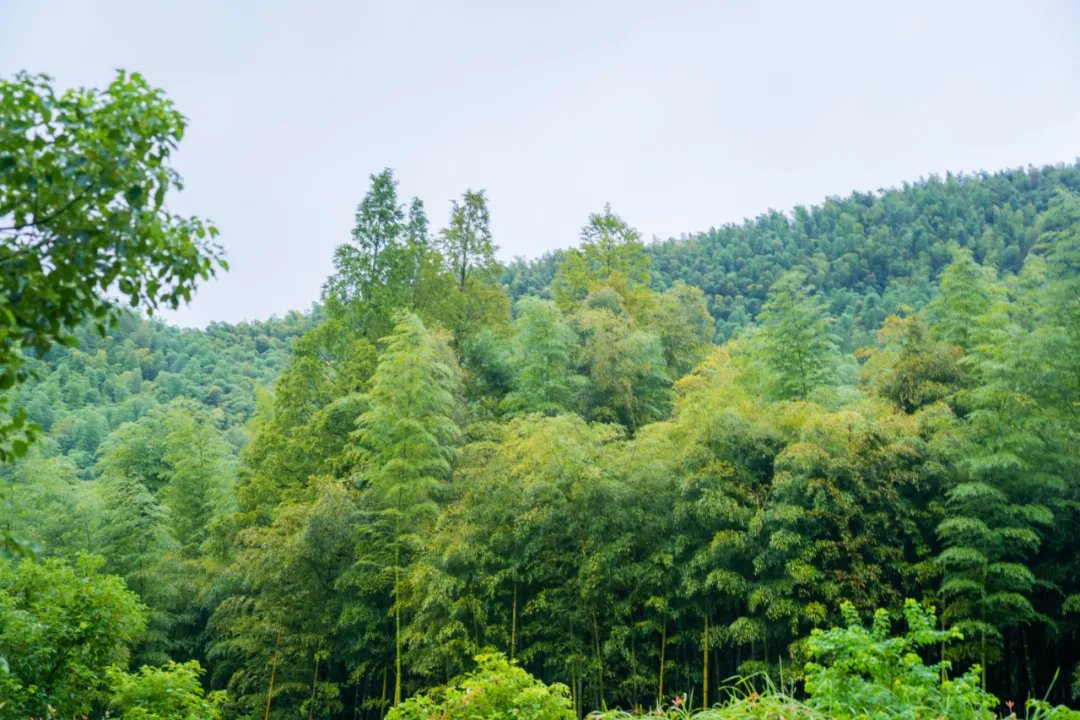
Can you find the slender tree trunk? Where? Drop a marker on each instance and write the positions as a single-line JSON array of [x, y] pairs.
[[717, 658], [574, 693], [1027, 660], [982, 632], [397, 621], [513, 621], [314, 682], [705, 664], [382, 700], [273, 671], [982, 656], [633, 665], [738, 654], [941, 623], [663, 651], [599, 663]]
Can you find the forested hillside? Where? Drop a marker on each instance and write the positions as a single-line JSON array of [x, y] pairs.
[[638, 470], [85, 391], [866, 253]]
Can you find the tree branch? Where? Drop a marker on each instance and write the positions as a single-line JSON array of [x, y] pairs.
[[50, 217]]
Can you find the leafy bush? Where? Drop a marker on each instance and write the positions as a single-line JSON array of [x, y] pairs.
[[61, 625], [863, 672], [496, 689], [172, 692]]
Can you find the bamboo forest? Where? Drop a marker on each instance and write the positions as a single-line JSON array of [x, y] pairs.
[[822, 463]]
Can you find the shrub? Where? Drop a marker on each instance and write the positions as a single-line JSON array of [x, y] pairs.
[[496, 689], [172, 692], [61, 625], [865, 672]]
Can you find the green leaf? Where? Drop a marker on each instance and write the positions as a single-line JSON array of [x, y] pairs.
[[135, 195]]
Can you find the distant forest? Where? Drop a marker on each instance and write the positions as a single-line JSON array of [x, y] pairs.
[[867, 253]]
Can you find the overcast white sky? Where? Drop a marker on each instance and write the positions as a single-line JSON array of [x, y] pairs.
[[683, 115]]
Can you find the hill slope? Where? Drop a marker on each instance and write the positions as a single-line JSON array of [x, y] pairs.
[[867, 252]]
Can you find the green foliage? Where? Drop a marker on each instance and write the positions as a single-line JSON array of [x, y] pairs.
[[968, 293], [595, 489], [85, 392], [796, 343], [466, 242], [406, 440], [406, 444], [869, 252], [742, 703], [682, 321], [857, 671], [376, 272], [469, 254], [910, 369], [84, 177], [629, 382], [542, 356], [172, 692], [266, 620], [611, 253], [496, 688], [47, 506], [61, 626]]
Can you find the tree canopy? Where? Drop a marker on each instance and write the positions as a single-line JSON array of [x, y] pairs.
[[659, 467], [84, 180]]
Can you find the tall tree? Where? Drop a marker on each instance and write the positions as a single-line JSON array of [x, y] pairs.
[[543, 354], [629, 380], [611, 253], [609, 246], [681, 319], [359, 289], [968, 291], [377, 227], [466, 241], [797, 345], [469, 253], [135, 538], [286, 611], [909, 368], [1001, 499], [416, 226], [406, 444]]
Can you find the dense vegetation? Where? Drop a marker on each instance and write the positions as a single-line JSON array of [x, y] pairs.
[[856, 672], [84, 180], [323, 515], [866, 253]]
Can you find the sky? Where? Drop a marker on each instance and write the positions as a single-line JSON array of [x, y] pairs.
[[683, 115]]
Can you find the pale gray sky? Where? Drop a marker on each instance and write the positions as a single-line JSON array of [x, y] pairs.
[[683, 115]]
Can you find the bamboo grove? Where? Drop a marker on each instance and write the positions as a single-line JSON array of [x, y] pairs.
[[619, 480]]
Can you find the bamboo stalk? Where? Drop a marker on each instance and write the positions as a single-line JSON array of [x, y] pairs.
[[705, 665], [273, 671]]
